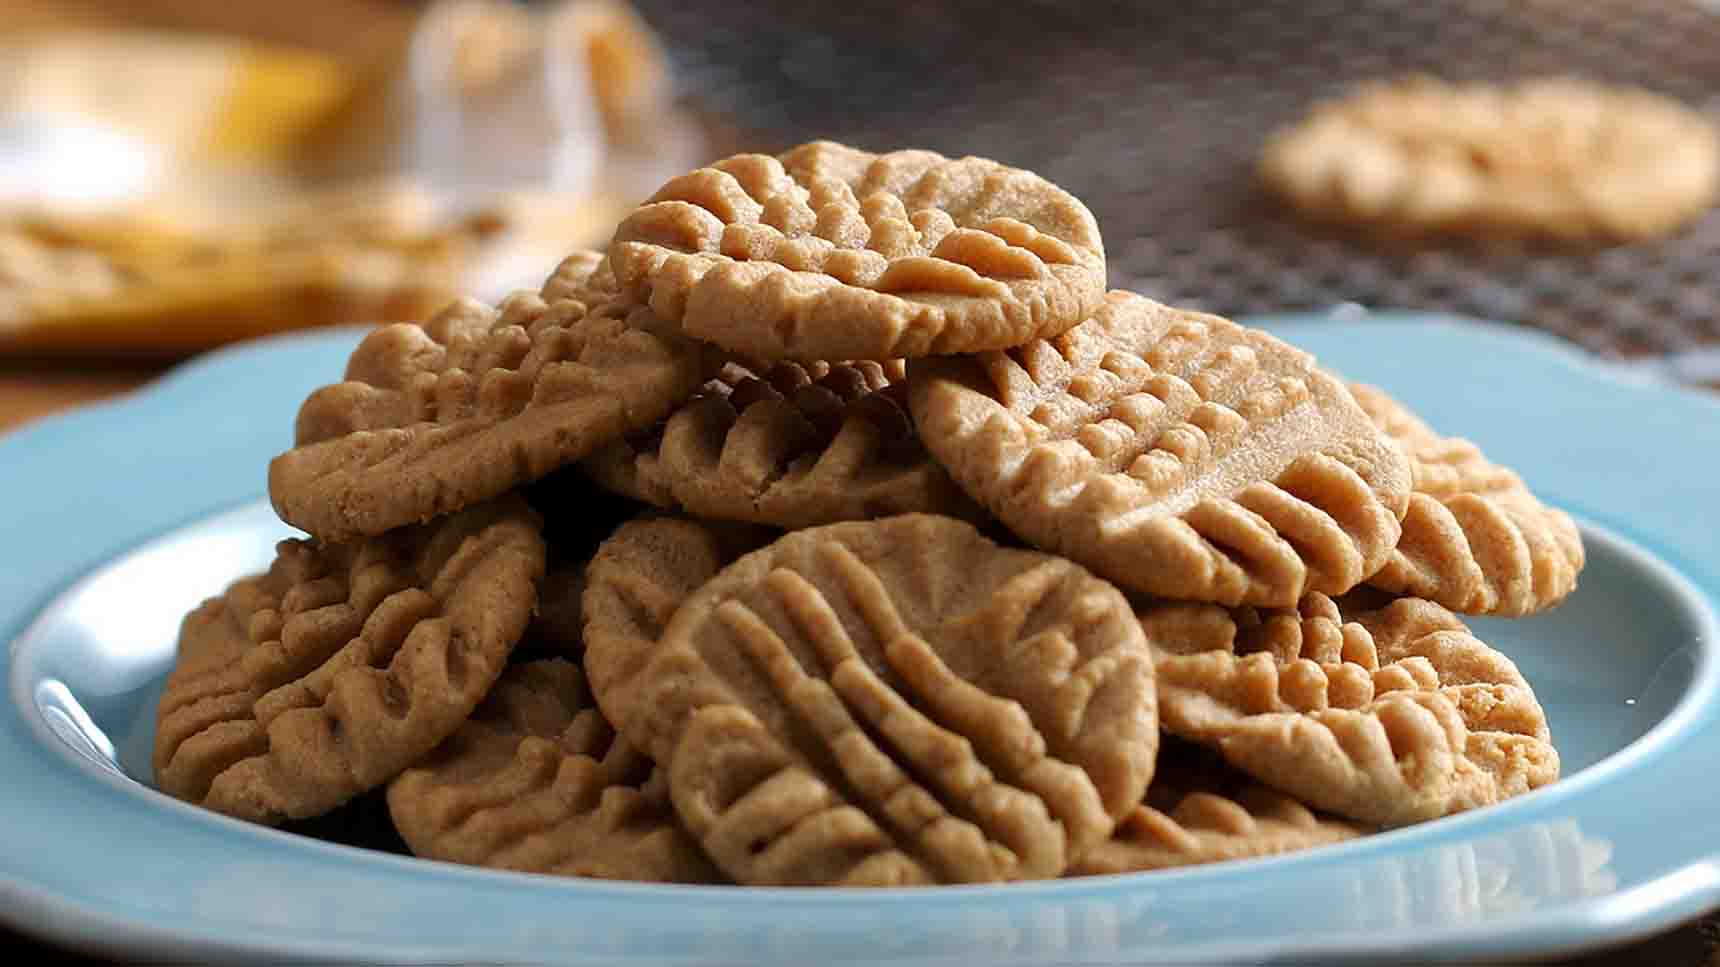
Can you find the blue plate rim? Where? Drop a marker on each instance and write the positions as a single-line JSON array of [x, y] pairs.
[[1594, 918]]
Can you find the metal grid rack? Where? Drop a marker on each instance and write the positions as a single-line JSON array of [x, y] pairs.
[[1154, 115]]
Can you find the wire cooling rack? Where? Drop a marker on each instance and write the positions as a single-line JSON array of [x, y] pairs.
[[1154, 114]]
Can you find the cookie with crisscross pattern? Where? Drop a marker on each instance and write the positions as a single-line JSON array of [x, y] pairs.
[[634, 584], [343, 664], [1199, 811], [829, 252], [1475, 539], [583, 275], [536, 780], [894, 702], [794, 445], [1393, 716], [475, 402], [1176, 453]]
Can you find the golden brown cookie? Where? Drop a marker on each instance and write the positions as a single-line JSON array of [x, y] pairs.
[[344, 663], [828, 252], [1197, 812], [1557, 158], [633, 586], [1176, 453], [895, 702], [1475, 539], [472, 404], [385, 359], [1395, 716], [795, 445], [584, 275], [537, 781]]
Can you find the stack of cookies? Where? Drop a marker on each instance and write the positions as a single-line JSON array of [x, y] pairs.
[[837, 526]]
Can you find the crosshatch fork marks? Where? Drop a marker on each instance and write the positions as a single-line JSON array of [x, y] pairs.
[[1175, 453], [295, 715], [834, 253], [833, 709]]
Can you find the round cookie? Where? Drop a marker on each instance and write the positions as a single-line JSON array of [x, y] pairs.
[[1555, 158], [1175, 453], [633, 586], [343, 664], [1475, 539], [794, 445], [1201, 812], [537, 781], [895, 702], [1394, 716], [475, 402], [829, 252]]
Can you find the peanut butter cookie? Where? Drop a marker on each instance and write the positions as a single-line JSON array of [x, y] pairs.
[[1396, 716], [1475, 539], [896, 702], [343, 664], [633, 586], [796, 445], [1200, 812], [472, 404], [1555, 157], [583, 275], [828, 252], [1176, 453], [537, 781]]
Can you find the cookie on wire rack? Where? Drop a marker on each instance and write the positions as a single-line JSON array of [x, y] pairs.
[[1558, 158]]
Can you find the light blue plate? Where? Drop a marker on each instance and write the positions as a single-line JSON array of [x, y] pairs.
[[1626, 844]]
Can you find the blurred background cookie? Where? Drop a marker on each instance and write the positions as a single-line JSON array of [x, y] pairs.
[[1556, 158]]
